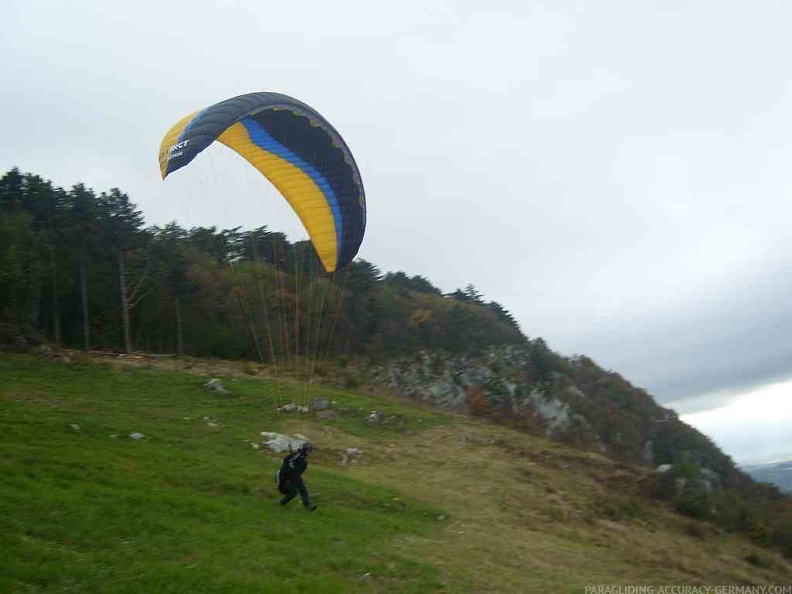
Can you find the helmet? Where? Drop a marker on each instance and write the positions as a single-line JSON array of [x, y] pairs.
[[307, 448]]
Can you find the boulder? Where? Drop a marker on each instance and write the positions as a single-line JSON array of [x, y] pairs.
[[292, 407], [217, 386], [278, 442], [320, 404], [350, 455]]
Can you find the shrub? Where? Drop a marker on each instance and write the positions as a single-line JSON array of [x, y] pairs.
[[477, 403], [351, 381]]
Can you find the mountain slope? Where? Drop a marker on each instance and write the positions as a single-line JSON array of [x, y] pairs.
[[436, 502]]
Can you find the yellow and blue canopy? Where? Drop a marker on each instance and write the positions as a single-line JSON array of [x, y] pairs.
[[295, 148]]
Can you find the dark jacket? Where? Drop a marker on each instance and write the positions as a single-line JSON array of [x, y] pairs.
[[293, 467]]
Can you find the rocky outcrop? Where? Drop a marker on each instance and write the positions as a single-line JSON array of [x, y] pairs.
[[566, 398], [446, 381]]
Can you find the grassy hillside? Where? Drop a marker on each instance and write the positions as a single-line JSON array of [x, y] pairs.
[[437, 502]]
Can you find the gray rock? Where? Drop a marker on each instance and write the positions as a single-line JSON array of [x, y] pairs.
[[576, 392], [553, 411], [711, 478], [445, 380], [136, 435], [648, 453], [279, 442], [217, 386], [350, 455], [293, 407], [320, 404]]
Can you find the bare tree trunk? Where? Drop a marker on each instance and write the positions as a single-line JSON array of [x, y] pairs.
[[131, 294], [124, 302], [179, 343], [84, 295], [55, 306]]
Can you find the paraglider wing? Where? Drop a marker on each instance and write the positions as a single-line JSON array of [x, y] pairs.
[[297, 150]]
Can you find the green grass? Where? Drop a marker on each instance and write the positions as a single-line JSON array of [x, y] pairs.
[[190, 507], [436, 502]]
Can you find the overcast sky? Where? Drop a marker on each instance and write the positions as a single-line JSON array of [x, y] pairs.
[[616, 174]]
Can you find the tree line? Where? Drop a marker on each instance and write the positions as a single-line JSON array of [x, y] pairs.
[[81, 269]]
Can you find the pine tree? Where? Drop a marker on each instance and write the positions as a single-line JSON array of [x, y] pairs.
[[45, 203], [121, 234], [83, 233]]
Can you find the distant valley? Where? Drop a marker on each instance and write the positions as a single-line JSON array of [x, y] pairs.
[[776, 473]]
